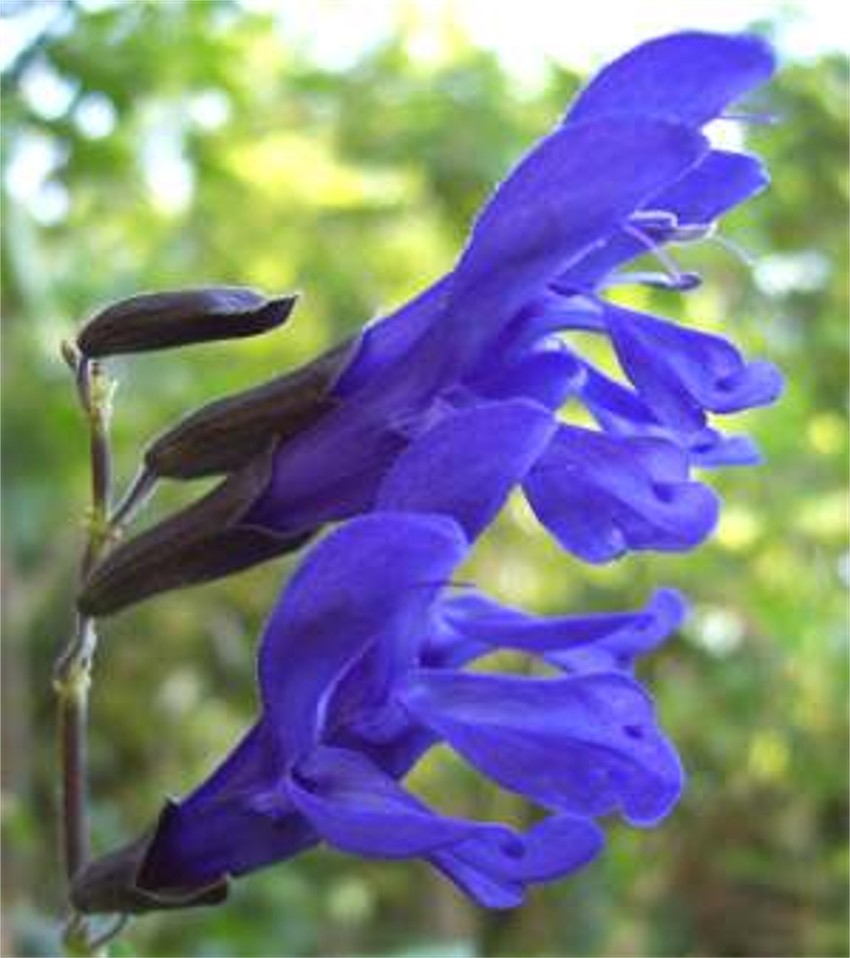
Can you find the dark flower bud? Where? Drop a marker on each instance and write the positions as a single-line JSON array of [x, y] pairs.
[[205, 541], [163, 320], [114, 883], [224, 434]]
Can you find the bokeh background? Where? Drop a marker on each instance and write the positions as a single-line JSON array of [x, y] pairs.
[[341, 149]]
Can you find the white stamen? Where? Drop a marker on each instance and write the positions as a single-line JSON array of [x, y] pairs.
[[677, 279]]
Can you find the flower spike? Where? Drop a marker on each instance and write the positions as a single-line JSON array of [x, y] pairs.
[[407, 443]]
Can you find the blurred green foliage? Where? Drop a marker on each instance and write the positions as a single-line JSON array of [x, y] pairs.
[[183, 143]]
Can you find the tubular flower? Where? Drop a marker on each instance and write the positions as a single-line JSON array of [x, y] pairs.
[[624, 174], [413, 444], [675, 376], [562, 200], [360, 673]]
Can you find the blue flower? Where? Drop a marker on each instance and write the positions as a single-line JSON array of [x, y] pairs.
[[448, 405], [627, 171], [360, 673], [555, 206]]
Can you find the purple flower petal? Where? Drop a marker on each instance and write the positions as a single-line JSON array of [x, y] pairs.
[[680, 372], [601, 496], [386, 340], [547, 374], [559, 845], [620, 411], [376, 575], [477, 867], [689, 76], [467, 464], [712, 450], [587, 744], [632, 635], [354, 806], [496, 877], [719, 182], [596, 642]]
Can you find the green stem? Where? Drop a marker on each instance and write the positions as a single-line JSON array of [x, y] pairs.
[[72, 673]]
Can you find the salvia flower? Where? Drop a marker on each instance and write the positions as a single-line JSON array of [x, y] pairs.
[[360, 673], [567, 195], [627, 172], [413, 443]]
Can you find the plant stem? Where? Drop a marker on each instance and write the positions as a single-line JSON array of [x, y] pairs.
[[71, 682], [72, 674]]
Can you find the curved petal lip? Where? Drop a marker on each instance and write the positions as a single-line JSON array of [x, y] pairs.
[[690, 76]]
